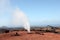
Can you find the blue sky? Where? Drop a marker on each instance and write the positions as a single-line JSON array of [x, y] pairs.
[[39, 12]]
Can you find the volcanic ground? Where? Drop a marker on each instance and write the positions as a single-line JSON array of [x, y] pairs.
[[23, 35]]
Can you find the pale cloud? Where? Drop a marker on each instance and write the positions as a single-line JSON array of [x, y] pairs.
[[20, 19]]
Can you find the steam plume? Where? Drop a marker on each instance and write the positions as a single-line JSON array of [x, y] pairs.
[[19, 18]]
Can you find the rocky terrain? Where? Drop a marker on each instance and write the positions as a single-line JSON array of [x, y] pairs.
[[34, 35]]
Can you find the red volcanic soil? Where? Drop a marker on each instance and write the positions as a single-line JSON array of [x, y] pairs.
[[26, 36]]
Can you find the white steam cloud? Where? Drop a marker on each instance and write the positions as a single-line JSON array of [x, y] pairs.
[[18, 17]]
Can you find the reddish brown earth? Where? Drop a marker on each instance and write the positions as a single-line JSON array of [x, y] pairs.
[[25, 36]]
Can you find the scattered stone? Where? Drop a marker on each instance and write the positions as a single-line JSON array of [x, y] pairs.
[[30, 33], [16, 34], [41, 33]]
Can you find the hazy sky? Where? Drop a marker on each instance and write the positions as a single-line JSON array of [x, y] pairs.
[[39, 12]]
